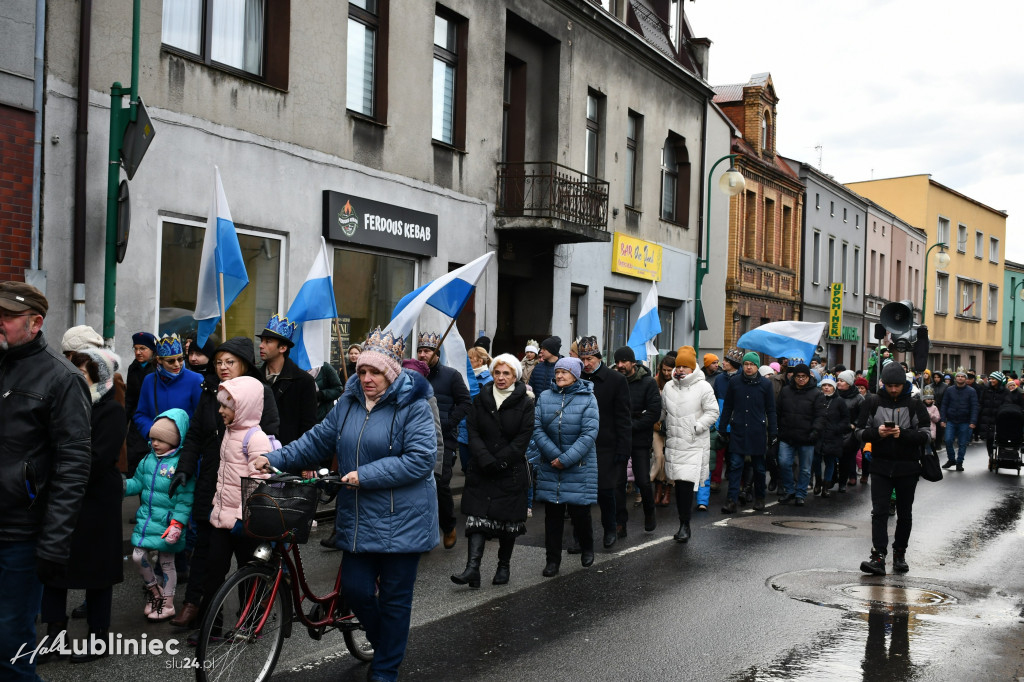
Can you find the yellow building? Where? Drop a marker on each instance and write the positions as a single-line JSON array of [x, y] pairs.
[[963, 307]]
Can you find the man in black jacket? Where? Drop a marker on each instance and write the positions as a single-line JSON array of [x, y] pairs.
[[896, 425], [801, 412], [453, 403], [294, 390], [615, 435], [645, 410], [144, 348], [45, 456]]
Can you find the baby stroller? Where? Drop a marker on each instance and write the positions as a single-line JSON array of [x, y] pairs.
[[1009, 438]]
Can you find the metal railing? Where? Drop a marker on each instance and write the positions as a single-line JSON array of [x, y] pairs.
[[544, 189]]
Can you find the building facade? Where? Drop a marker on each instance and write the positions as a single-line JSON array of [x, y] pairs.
[[763, 268], [413, 141], [964, 305], [1013, 325]]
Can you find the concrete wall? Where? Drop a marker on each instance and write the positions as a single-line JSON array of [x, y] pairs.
[[17, 58]]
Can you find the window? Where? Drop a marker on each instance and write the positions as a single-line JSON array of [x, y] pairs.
[[832, 208], [788, 247], [844, 216], [871, 273], [941, 293], [366, 75], [961, 238], [769, 231], [993, 303], [817, 200], [367, 287], [665, 341], [616, 325], [831, 260], [181, 249], [816, 256], [856, 270], [880, 291], [968, 293], [857, 220], [593, 147], [766, 132], [993, 250], [449, 99], [634, 130], [1020, 339], [750, 226], [842, 265], [246, 36], [943, 230], [675, 180]]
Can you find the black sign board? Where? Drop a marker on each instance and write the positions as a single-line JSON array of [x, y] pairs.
[[355, 220]]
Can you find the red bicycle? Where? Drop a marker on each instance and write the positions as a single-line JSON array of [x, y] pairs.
[[253, 612]]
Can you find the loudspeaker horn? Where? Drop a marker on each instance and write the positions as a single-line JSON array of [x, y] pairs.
[[898, 317]]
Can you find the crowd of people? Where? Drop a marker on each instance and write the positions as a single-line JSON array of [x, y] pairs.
[[185, 422]]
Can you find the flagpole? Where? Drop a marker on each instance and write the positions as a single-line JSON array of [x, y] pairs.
[[341, 347], [223, 313], [445, 335]]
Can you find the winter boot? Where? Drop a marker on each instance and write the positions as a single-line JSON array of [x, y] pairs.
[[471, 576], [89, 655], [899, 561], [163, 609], [505, 546], [53, 630], [683, 534], [153, 595], [875, 565]]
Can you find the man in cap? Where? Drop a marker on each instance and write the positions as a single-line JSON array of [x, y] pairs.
[[645, 409], [45, 456], [959, 411], [453, 403], [544, 372], [711, 368], [615, 436], [748, 415], [990, 400], [801, 411], [294, 389]]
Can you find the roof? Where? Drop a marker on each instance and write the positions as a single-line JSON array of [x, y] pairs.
[[729, 93], [936, 184], [777, 163]]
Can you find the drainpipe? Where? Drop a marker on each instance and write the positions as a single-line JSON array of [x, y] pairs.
[[701, 218], [81, 160], [37, 152]]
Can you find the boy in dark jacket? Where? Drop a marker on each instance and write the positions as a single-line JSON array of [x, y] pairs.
[[801, 423], [830, 446], [959, 410]]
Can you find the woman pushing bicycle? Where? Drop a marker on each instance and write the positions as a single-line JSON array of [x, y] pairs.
[[382, 432]]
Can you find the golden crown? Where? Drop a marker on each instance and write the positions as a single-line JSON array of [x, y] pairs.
[[429, 340], [385, 343]]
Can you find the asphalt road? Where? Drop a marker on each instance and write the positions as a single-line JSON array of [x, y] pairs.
[[772, 596]]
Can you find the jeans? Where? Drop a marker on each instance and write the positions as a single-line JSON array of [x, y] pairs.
[[641, 459], [882, 488], [957, 432], [829, 460], [736, 475], [20, 597], [787, 452], [379, 588]]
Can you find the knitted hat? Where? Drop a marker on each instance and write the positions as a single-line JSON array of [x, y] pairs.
[[383, 352], [532, 346], [776, 366], [848, 376], [107, 364], [892, 373], [928, 393], [998, 376], [484, 342], [686, 357], [625, 354], [709, 358], [1012, 385], [765, 370], [573, 366], [144, 339], [752, 357], [552, 344], [589, 346], [165, 429], [511, 361], [827, 381], [416, 366], [861, 381], [79, 338], [801, 369], [734, 357]]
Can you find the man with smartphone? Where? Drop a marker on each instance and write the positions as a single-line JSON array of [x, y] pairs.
[[896, 425]]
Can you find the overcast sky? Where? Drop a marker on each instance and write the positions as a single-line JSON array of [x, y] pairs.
[[888, 87]]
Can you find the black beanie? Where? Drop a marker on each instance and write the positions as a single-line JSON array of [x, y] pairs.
[[893, 373], [552, 344], [485, 343], [625, 354]]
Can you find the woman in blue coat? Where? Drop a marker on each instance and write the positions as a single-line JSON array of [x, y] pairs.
[[564, 437], [382, 432]]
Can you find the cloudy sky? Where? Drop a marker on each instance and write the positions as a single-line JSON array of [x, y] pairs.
[[888, 87]]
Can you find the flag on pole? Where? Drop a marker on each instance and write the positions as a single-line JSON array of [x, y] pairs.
[[313, 309], [647, 326], [784, 339], [447, 294], [221, 262]]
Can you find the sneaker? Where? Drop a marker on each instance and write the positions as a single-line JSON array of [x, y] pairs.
[[959, 467], [759, 504], [529, 512], [729, 507], [874, 565], [950, 463], [702, 507], [786, 499], [825, 492], [799, 502]]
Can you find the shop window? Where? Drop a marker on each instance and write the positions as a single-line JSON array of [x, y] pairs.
[[449, 85], [367, 66], [181, 248], [246, 36], [367, 287]]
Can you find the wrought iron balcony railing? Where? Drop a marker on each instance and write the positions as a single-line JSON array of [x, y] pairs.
[[544, 189]]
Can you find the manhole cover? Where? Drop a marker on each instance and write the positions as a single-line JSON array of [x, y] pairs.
[[897, 594], [813, 525]]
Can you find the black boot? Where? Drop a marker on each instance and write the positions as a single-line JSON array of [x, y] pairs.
[[505, 547], [875, 565], [899, 561], [89, 656], [471, 576], [683, 534], [53, 630]]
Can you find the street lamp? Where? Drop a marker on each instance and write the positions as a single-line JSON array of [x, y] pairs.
[[1013, 321], [731, 183], [941, 260]]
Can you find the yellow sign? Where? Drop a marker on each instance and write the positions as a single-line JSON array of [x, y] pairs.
[[636, 258], [835, 317]]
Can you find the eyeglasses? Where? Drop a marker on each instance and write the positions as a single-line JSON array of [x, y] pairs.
[[225, 363], [177, 360]]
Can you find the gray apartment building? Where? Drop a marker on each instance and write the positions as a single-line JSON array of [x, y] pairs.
[[571, 137]]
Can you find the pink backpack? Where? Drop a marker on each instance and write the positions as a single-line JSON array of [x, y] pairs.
[[275, 444]]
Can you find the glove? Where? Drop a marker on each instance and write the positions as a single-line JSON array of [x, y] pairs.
[[173, 532], [180, 479], [815, 436], [773, 442], [51, 573], [723, 440]]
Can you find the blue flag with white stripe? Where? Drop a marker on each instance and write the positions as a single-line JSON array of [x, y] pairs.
[[313, 309], [648, 326]]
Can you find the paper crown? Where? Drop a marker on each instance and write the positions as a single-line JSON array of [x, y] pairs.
[[280, 328], [588, 346], [168, 346], [429, 340], [385, 343]]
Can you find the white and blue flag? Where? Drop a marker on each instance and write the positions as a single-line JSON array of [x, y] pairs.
[[222, 274], [647, 327], [786, 339], [313, 309]]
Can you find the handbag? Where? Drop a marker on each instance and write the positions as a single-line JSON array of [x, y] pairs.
[[930, 469]]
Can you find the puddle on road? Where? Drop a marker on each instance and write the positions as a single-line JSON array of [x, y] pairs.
[[997, 521]]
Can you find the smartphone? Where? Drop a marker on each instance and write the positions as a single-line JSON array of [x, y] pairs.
[[890, 425]]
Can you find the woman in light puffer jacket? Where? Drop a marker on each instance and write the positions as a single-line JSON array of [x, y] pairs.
[[688, 411]]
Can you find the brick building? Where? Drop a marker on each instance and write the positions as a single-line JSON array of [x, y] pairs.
[[763, 271]]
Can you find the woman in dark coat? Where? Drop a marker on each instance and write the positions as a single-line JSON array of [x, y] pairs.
[[494, 498], [95, 563]]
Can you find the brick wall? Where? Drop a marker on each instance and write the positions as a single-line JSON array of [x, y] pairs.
[[15, 192]]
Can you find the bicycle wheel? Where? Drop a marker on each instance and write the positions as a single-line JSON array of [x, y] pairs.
[[233, 645], [358, 645]]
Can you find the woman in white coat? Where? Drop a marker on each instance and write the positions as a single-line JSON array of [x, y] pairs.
[[688, 411]]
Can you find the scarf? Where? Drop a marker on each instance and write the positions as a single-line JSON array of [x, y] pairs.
[[167, 376], [500, 395]]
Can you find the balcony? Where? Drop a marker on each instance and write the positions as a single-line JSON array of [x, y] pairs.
[[550, 200]]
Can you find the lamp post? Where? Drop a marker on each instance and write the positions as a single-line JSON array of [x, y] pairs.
[[1013, 321], [731, 183], [941, 260]]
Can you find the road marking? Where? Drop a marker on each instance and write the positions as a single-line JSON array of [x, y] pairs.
[[649, 543]]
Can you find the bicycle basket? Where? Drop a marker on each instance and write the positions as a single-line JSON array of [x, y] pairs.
[[275, 510]]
